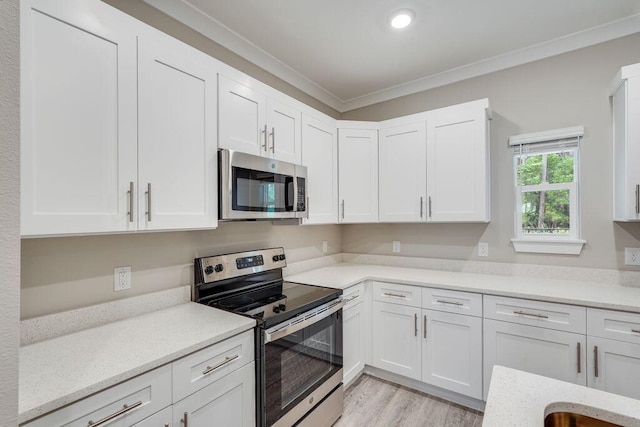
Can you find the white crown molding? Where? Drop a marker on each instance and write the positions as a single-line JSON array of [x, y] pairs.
[[216, 31], [209, 27]]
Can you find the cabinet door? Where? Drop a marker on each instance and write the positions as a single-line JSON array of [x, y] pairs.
[[618, 366], [358, 175], [228, 402], [403, 173], [177, 136], [284, 128], [554, 354], [241, 118], [353, 325], [159, 419], [626, 107], [458, 163], [396, 339], [320, 156], [452, 352], [78, 117]]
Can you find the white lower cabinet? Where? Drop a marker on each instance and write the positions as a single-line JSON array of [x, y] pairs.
[[354, 327], [542, 351], [229, 402], [159, 419], [452, 352], [396, 339]]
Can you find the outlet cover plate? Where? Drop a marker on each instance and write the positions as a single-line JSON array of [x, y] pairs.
[[483, 249], [396, 246], [325, 246], [632, 256], [122, 278]]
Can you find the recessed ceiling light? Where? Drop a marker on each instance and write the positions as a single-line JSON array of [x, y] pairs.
[[401, 18]]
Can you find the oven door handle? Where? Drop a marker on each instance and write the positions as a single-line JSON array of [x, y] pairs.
[[295, 327]]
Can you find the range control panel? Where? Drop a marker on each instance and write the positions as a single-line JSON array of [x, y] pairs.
[[221, 267]]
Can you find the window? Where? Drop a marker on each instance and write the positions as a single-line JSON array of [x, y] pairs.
[[546, 176]]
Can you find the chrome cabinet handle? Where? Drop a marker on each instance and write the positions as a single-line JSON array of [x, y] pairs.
[[425, 327], [308, 208], [637, 199], [273, 140], [148, 193], [415, 324], [389, 294], [637, 331], [595, 360], [264, 131], [441, 301], [351, 298], [226, 360], [125, 408], [342, 208], [185, 419], [421, 207], [579, 361], [130, 193], [523, 313], [429, 206]]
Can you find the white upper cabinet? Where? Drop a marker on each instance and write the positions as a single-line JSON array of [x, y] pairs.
[[78, 117], [358, 175], [255, 124], [403, 172], [626, 140], [320, 156], [177, 136], [119, 124], [458, 174]]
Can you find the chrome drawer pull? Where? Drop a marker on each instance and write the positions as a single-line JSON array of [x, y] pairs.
[[389, 294], [579, 361], [351, 298], [523, 313], [415, 324], [220, 365], [125, 408], [441, 301], [637, 331], [595, 361]]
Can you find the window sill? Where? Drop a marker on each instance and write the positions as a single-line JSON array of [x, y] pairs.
[[548, 246]]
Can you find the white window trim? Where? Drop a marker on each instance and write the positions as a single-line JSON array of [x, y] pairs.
[[564, 245]]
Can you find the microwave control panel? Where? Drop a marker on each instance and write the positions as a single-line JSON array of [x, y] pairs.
[[302, 197]]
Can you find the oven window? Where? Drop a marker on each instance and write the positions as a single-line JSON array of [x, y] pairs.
[[298, 363], [261, 191]]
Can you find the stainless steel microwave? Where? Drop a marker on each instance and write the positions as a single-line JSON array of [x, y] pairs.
[[253, 187]]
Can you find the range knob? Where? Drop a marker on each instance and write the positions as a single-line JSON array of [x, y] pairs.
[[282, 307], [276, 308], [281, 257], [218, 268], [275, 258], [208, 270]]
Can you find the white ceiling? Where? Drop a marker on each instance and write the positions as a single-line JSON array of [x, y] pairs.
[[343, 53]]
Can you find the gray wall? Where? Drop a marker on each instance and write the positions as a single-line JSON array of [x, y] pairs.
[[10, 210], [150, 15], [566, 90]]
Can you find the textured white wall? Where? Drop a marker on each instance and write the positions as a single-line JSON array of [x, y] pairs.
[[566, 90], [9, 210]]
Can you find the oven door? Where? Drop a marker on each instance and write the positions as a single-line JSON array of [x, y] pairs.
[[253, 187], [301, 360]]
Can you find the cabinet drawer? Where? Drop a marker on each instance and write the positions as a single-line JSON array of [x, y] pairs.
[[353, 295], [616, 325], [452, 301], [550, 315], [203, 367], [144, 395], [397, 294]]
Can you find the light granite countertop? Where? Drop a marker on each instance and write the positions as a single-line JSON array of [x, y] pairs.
[[614, 297], [522, 399], [65, 369]]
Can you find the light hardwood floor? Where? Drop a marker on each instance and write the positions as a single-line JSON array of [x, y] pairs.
[[374, 402]]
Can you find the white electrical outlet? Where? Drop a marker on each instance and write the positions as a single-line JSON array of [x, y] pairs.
[[122, 278], [396, 246], [325, 246], [483, 249], [632, 256]]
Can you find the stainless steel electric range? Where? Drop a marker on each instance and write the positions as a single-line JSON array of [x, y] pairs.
[[298, 335]]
